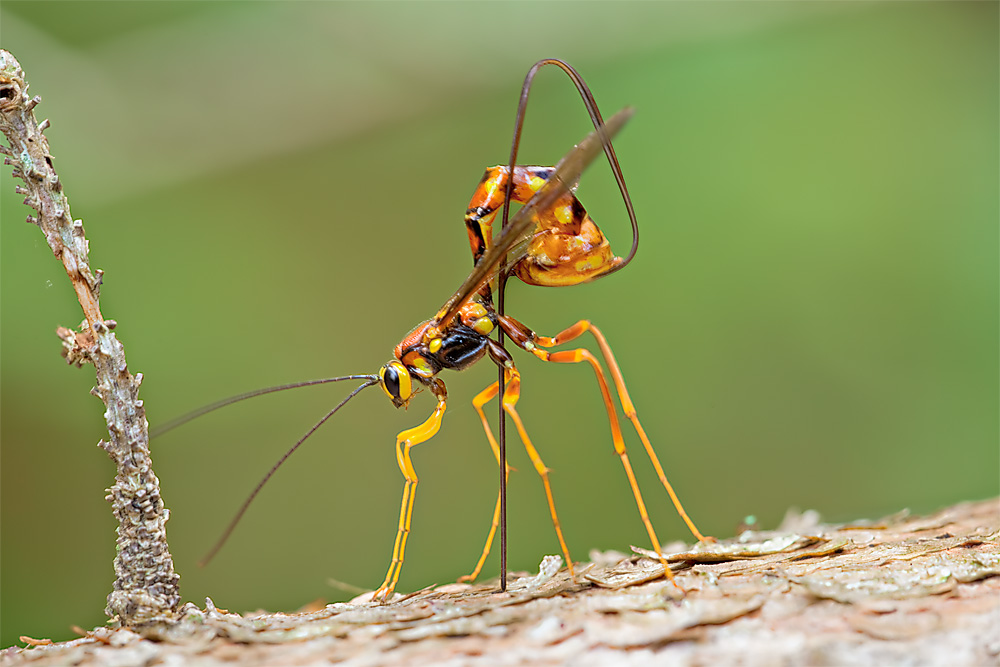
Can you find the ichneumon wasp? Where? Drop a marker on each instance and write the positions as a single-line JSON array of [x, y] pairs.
[[550, 241]]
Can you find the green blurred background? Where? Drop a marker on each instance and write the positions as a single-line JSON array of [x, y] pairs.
[[276, 192]]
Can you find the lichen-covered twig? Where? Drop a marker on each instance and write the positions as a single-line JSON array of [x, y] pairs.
[[146, 584]]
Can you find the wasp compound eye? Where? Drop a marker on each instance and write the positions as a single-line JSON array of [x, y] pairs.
[[390, 381], [396, 383]]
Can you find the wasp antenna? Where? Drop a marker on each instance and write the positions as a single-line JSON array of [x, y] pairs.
[[184, 419], [370, 380]]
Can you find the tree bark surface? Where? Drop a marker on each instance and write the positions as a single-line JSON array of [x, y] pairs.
[[913, 590]]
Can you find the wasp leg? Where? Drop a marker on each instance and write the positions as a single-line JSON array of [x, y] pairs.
[[404, 442], [512, 392], [627, 406], [526, 339], [481, 399]]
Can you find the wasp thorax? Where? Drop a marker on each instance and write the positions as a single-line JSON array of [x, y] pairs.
[[396, 383]]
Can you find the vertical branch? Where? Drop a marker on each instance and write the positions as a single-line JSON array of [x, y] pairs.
[[145, 584]]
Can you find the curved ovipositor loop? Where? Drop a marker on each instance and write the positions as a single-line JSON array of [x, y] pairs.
[[595, 116]]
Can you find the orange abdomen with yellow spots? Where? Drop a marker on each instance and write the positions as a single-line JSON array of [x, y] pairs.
[[567, 247]]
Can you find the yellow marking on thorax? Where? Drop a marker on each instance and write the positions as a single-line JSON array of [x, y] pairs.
[[483, 325]]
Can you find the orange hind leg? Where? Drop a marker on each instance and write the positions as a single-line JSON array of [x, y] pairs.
[[576, 356], [531, 342]]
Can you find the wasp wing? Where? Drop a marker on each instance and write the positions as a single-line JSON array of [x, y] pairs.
[[522, 226]]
